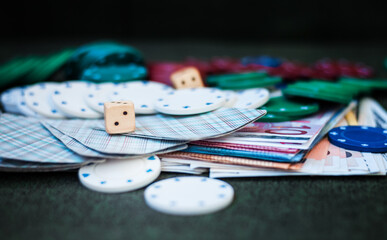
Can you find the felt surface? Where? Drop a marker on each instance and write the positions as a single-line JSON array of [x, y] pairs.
[[57, 206]]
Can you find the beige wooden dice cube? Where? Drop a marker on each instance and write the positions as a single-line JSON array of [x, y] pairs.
[[188, 77], [119, 117]]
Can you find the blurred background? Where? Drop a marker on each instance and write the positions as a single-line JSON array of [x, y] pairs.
[[275, 20], [172, 30]]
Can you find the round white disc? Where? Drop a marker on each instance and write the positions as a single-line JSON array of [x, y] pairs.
[[98, 94], [231, 98], [189, 195], [9, 100], [120, 175], [38, 98], [69, 98], [143, 94], [22, 106], [252, 98], [190, 101]]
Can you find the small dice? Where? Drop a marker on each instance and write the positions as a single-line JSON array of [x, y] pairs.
[[188, 77], [119, 117]]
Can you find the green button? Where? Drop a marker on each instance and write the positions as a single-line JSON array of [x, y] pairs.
[[281, 106], [235, 77]]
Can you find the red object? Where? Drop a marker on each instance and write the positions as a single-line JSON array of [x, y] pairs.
[[326, 69], [161, 71], [342, 68]]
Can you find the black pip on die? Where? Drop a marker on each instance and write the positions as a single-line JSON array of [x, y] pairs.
[[119, 117]]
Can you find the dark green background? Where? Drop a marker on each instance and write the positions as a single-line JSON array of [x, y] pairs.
[[57, 206]]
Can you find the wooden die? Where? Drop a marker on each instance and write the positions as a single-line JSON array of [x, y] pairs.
[[119, 117], [188, 77]]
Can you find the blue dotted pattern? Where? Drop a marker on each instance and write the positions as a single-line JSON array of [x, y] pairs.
[[359, 138], [103, 182], [173, 203]]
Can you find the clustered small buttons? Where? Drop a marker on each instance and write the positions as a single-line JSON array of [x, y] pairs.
[[82, 99]]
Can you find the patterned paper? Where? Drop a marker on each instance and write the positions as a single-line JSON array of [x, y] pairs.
[[23, 138], [81, 149], [182, 128], [247, 147], [117, 144], [227, 160], [261, 155]]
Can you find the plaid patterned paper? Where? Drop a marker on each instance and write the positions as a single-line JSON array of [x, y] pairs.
[[183, 128], [227, 160], [24, 138], [76, 146], [117, 144], [246, 147], [261, 155], [81, 149]]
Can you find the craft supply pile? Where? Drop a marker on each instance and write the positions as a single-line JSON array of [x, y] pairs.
[[119, 120]]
